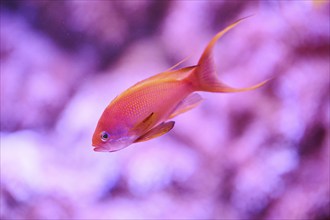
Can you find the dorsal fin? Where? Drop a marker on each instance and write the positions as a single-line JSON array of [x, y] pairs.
[[160, 78], [174, 74], [177, 64]]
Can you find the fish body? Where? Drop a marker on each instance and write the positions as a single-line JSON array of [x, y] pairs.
[[142, 107], [142, 112]]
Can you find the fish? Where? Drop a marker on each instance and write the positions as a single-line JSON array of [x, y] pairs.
[[145, 110]]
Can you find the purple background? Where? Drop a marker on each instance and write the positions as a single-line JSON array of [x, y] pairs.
[[262, 154]]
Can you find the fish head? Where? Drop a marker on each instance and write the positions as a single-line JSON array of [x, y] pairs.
[[110, 140]]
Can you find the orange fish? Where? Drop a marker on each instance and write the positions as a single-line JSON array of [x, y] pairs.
[[142, 112]]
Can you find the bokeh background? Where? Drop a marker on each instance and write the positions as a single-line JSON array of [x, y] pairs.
[[262, 154]]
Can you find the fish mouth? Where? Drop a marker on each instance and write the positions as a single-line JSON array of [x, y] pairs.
[[115, 145], [103, 149], [100, 149]]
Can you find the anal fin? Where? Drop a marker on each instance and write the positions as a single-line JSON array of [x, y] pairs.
[[187, 104], [157, 131]]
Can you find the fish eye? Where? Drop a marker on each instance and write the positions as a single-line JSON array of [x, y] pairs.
[[104, 136]]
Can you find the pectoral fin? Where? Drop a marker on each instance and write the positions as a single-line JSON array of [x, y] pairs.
[[157, 131], [145, 124], [187, 104]]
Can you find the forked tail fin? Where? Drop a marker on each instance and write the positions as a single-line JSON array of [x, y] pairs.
[[205, 76]]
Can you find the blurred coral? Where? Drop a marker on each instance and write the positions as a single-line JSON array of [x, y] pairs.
[[263, 154]]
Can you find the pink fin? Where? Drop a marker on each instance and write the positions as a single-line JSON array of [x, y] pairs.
[[187, 104], [176, 65], [205, 77], [157, 131], [145, 124], [174, 74]]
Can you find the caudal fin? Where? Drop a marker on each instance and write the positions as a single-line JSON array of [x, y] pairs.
[[205, 76]]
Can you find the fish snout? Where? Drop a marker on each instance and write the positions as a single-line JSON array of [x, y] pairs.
[[100, 149], [114, 145]]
